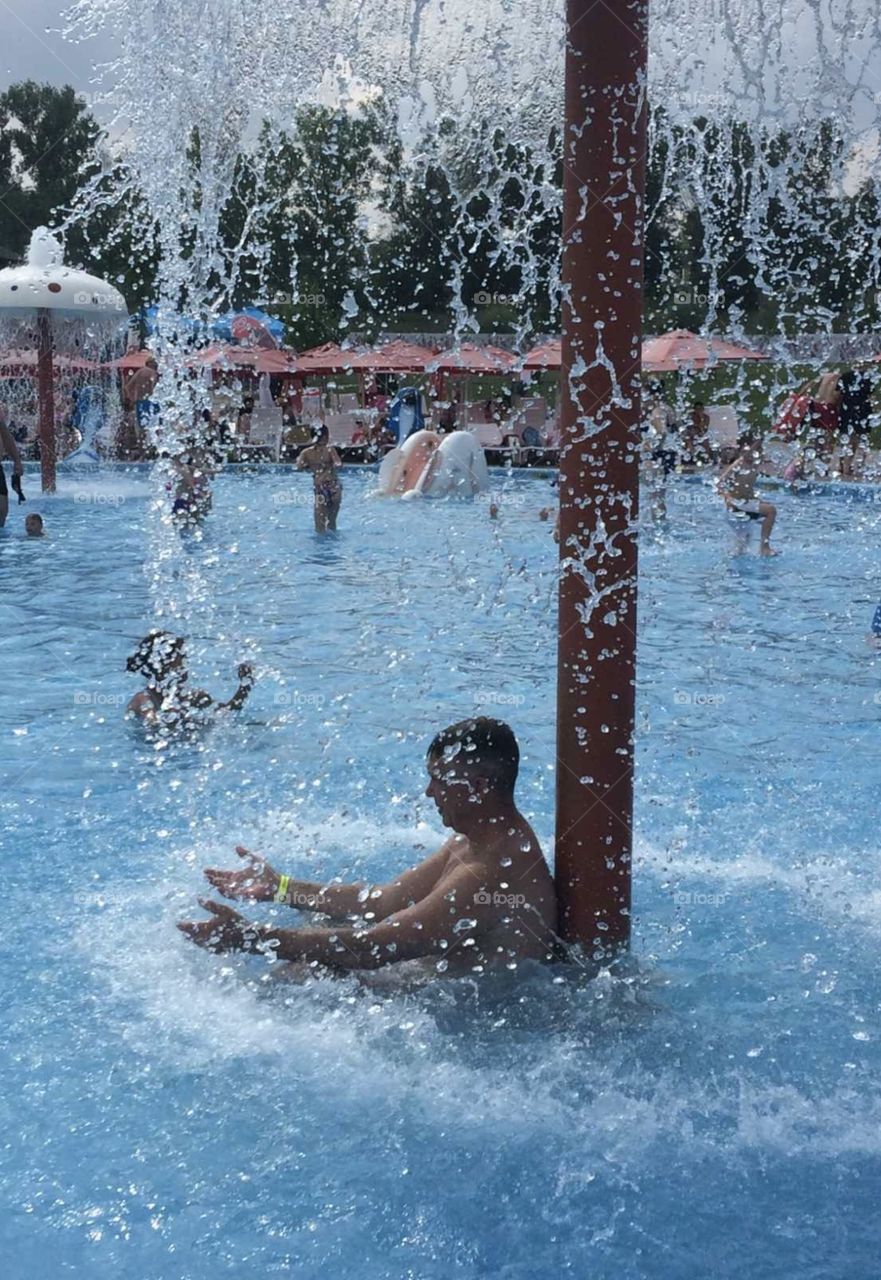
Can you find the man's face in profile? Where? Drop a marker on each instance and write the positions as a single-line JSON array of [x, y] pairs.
[[453, 789]]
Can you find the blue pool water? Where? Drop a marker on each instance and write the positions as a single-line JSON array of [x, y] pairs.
[[170, 1114]]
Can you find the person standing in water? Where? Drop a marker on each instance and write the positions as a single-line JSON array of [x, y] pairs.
[[737, 486], [167, 703], [485, 901], [9, 448], [324, 462]]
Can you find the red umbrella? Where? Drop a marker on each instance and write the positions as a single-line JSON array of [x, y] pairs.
[[395, 357], [24, 364], [280, 361], [547, 355], [324, 360], [470, 358], [222, 356], [683, 349], [131, 361]]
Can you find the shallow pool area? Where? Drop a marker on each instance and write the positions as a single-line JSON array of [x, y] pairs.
[[712, 1110]]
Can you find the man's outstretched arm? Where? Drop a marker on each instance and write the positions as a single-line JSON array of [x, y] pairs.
[[429, 928], [259, 882]]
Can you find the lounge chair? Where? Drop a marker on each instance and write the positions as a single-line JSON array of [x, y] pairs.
[[267, 429]]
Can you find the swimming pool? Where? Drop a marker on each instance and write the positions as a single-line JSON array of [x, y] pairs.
[[172, 1114]]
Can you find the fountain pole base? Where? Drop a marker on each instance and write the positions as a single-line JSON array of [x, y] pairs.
[[46, 399]]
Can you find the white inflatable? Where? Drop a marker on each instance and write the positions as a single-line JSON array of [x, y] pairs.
[[431, 466], [90, 419]]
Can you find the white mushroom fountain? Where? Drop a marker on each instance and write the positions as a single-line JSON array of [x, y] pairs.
[[60, 311]]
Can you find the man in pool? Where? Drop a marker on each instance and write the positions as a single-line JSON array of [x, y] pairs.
[[168, 702], [737, 486], [9, 448], [324, 462], [485, 900]]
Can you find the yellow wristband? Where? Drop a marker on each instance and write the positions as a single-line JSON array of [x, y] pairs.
[[281, 893]]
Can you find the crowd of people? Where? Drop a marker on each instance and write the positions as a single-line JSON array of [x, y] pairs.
[[829, 420]]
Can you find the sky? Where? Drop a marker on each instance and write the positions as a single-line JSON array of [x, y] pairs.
[[28, 51]]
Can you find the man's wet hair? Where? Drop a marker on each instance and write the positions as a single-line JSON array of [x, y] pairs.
[[154, 653], [483, 746]]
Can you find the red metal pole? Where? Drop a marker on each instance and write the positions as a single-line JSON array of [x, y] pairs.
[[604, 161], [46, 399]]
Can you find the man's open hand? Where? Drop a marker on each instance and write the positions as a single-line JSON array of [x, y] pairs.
[[227, 930], [256, 882]]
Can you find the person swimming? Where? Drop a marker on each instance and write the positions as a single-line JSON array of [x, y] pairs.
[[484, 901], [191, 485], [737, 486], [8, 446], [167, 703], [324, 462], [33, 526]]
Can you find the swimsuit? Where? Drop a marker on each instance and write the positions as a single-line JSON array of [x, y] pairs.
[[747, 507], [328, 492]]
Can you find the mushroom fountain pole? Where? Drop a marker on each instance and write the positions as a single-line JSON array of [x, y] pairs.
[[73, 314], [46, 399], [604, 165]]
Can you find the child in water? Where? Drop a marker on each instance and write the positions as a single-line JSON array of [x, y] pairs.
[[737, 486], [166, 702], [33, 526]]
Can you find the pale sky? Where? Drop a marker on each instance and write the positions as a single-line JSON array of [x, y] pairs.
[[28, 51]]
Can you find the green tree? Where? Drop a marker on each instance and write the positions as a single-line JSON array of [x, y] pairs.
[[47, 136]]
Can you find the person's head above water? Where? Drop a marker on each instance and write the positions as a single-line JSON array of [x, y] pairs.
[[33, 525], [158, 654], [473, 767], [320, 435]]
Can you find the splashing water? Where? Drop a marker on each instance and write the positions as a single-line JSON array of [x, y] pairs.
[[789, 92], [334, 1132]]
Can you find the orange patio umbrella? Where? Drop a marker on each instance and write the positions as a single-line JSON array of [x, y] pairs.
[[131, 361], [325, 360], [257, 360], [469, 358], [24, 364], [547, 355], [395, 357], [683, 349]]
